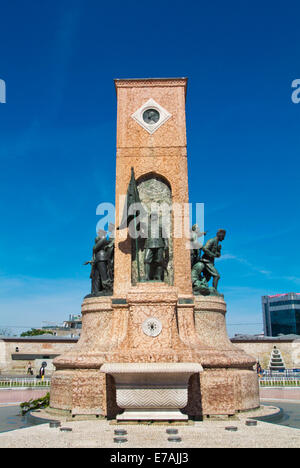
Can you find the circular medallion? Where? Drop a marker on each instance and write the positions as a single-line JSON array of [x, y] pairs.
[[152, 326], [151, 116]]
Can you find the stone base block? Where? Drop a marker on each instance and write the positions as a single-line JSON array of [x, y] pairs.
[[189, 369], [79, 391], [153, 391], [217, 393], [152, 414]]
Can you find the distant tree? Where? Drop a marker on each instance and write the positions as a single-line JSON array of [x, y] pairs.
[[36, 332], [4, 332]]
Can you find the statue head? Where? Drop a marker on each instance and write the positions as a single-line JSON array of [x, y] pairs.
[[221, 234], [196, 229], [101, 234], [154, 216]]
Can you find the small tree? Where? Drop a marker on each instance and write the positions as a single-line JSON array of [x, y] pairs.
[[36, 332]]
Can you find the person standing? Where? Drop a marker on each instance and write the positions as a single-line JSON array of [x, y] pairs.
[[29, 369], [42, 372]]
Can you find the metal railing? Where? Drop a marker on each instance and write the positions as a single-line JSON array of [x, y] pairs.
[[24, 382], [274, 381], [279, 382], [284, 373]]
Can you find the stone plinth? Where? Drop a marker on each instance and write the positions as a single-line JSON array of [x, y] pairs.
[[210, 327], [77, 385], [193, 330], [151, 391], [147, 303], [228, 383], [95, 339]]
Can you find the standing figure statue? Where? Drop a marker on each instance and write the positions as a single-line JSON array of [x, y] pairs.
[[110, 248], [205, 269], [101, 276], [156, 247], [195, 245]]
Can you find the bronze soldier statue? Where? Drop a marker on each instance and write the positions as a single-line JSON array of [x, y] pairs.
[[111, 252], [156, 245], [200, 285], [205, 269], [101, 280]]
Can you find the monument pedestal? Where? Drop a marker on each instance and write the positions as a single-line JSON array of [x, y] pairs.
[[77, 386], [228, 383], [149, 332], [190, 352]]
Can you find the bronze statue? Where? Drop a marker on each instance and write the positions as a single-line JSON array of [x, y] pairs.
[[156, 247], [111, 252], [102, 263], [205, 269], [195, 245], [200, 285], [129, 217]]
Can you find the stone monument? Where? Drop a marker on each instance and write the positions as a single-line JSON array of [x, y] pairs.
[[153, 349]]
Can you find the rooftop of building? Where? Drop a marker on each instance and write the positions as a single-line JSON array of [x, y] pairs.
[[274, 296], [261, 338], [74, 338], [45, 337]]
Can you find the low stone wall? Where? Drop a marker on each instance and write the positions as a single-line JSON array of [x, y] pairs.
[[261, 351], [258, 349], [284, 393], [16, 353], [20, 395]]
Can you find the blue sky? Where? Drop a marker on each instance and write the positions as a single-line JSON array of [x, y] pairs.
[[58, 137]]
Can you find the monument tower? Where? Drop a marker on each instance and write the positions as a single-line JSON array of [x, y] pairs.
[[151, 348]]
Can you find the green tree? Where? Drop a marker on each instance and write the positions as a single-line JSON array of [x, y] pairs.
[[36, 332]]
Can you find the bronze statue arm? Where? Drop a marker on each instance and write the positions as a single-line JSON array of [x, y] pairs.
[[219, 248]]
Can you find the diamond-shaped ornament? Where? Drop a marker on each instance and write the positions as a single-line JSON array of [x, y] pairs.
[[151, 116]]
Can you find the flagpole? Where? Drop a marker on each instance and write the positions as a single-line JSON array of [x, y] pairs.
[[132, 197], [137, 252]]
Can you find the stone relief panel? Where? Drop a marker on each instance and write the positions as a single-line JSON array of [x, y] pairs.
[[155, 193]]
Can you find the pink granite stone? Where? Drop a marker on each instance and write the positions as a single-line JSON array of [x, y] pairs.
[[193, 329]]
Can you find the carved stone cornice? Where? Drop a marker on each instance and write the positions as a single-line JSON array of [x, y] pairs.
[[150, 82]]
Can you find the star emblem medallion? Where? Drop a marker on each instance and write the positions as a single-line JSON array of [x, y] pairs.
[[151, 116]]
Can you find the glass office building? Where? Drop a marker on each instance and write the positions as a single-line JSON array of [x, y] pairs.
[[281, 314]]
